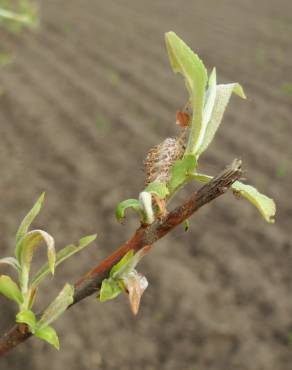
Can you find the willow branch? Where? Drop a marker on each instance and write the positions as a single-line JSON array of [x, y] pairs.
[[145, 235]]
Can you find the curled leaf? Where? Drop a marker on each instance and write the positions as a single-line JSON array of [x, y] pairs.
[[264, 204], [10, 289], [27, 246], [129, 203]]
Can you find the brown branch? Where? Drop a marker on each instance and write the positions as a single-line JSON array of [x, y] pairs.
[[145, 235]]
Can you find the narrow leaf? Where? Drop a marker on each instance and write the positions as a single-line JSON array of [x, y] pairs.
[[28, 219], [58, 306], [110, 289], [10, 261], [49, 335], [123, 206], [10, 289], [183, 60], [264, 204], [61, 256], [223, 94], [27, 317]]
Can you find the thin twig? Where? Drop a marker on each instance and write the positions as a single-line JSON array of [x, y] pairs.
[[145, 235]]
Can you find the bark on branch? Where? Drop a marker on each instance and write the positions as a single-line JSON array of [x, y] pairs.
[[145, 235]]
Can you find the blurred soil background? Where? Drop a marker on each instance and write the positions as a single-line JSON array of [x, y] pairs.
[[84, 99]]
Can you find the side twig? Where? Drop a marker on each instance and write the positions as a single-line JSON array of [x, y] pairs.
[[145, 235]]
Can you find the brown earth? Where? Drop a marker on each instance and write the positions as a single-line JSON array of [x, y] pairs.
[[85, 99]]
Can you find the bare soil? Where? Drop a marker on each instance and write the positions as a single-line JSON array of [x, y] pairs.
[[84, 100]]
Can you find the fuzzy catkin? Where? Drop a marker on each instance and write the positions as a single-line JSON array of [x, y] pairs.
[[161, 157]]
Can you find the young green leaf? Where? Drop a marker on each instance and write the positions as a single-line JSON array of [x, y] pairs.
[[210, 98], [10, 289], [110, 289], [129, 203], [27, 317], [264, 204], [10, 261], [181, 171], [123, 266], [57, 307], [223, 94], [183, 60], [61, 256], [49, 335], [28, 219], [157, 188]]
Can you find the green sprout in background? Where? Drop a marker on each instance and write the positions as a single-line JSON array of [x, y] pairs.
[[24, 292], [23, 13]]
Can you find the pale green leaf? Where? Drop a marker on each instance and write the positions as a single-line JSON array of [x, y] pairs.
[[210, 98], [264, 204], [123, 266], [145, 200], [61, 256], [183, 60], [158, 188], [26, 222], [27, 317], [129, 203], [58, 306], [10, 261], [110, 289], [180, 172], [49, 335], [10, 289], [27, 247], [223, 94]]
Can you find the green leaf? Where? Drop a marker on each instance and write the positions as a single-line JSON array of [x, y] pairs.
[[183, 60], [158, 188], [123, 265], [28, 245], [27, 317], [129, 203], [61, 256], [58, 306], [181, 171], [223, 94], [264, 204], [210, 98], [10, 289], [49, 335], [110, 289], [28, 219], [10, 261]]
